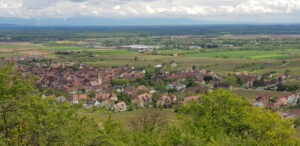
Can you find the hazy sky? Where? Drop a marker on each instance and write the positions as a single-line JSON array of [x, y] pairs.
[[265, 11]]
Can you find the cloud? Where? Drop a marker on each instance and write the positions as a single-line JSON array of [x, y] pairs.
[[145, 8]]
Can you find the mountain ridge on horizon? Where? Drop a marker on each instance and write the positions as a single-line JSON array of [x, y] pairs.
[[84, 21]]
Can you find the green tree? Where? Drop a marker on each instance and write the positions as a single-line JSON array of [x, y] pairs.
[[190, 82], [27, 119], [92, 95], [131, 107], [119, 82], [123, 96], [223, 114], [287, 71], [232, 80], [159, 85]]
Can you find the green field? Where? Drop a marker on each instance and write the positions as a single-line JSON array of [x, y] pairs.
[[274, 54], [114, 52], [42, 48], [251, 94], [220, 62]]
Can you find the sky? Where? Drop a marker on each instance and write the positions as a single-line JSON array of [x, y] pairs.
[[143, 12]]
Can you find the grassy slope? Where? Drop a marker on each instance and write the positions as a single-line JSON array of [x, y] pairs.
[[123, 117]]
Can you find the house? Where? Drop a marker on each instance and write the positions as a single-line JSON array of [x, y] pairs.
[[283, 77], [73, 100], [173, 64], [189, 70], [248, 80], [60, 99], [195, 47], [182, 76], [176, 86], [72, 90], [208, 74], [91, 103], [141, 100], [106, 99], [121, 106], [191, 98], [142, 89], [158, 66], [284, 115], [283, 99], [166, 100], [106, 96], [293, 99], [262, 100], [81, 96], [266, 100]]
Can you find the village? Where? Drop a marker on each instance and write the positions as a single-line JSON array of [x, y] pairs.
[[119, 89]]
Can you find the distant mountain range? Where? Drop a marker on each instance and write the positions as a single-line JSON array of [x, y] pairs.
[[92, 21]]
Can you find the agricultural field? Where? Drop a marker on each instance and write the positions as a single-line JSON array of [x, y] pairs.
[[218, 65], [26, 48], [267, 55], [220, 60], [252, 94]]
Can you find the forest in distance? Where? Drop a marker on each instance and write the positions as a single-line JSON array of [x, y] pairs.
[[40, 33]]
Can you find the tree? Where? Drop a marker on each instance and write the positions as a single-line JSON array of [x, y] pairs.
[[123, 96], [27, 119], [159, 85], [240, 81], [231, 80], [131, 107], [297, 121], [149, 73], [194, 67], [207, 79], [119, 82], [92, 95], [190, 82], [224, 114], [287, 71], [149, 120]]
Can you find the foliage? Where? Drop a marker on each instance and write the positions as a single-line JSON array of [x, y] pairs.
[[119, 82], [92, 95], [297, 121], [207, 79], [148, 120], [131, 107], [190, 82], [288, 88], [159, 86], [223, 114], [123, 96], [26, 119], [222, 118], [231, 80]]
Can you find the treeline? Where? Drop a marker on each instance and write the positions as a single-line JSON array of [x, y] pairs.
[[222, 118], [34, 33]]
